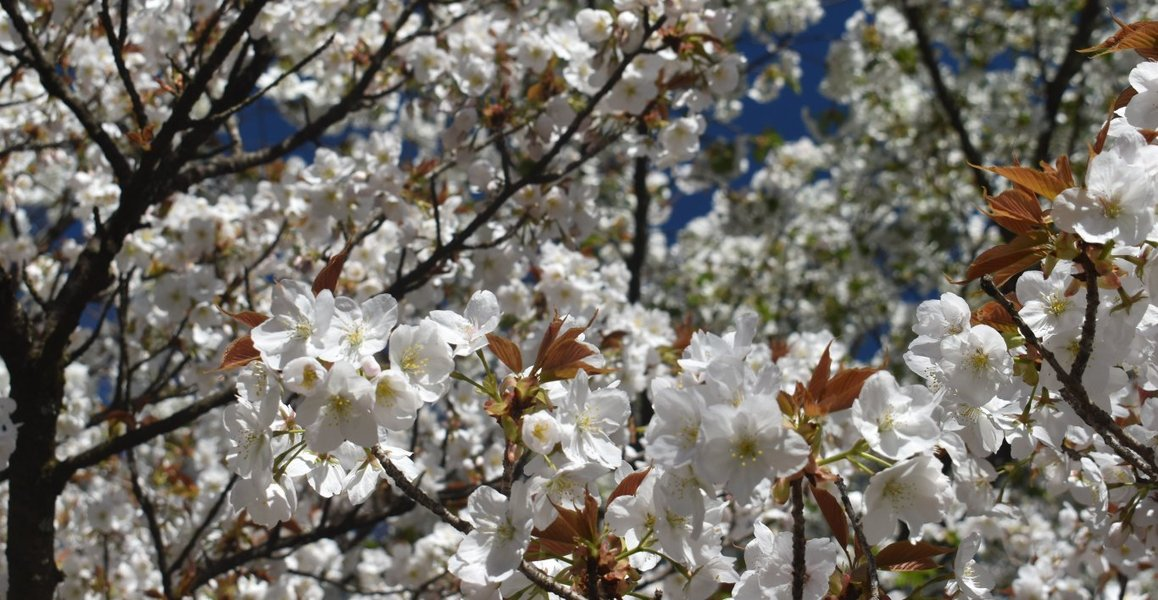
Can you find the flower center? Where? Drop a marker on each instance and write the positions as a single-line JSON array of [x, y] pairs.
[[746, 450], [1056, 305], [412, 360], [887, 422], [898, 492], [979, 360], [340, 405]]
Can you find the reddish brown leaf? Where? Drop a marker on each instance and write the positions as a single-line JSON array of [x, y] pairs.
[[684, 333], [548, 339], [1006, 260], [543, 549], [239, 353], [565, 355], [923, 564], [779, 349], [1064, 173], [1044, 184], [612, 340], [246, 317], [819, 378], [565, 529], [327, 278], [801, 397], [902, 552], [629, 485], [506, 351], [994, 315], [843, 389], [833, 514], [1142, 37], [1016, 210], [1127, 94]]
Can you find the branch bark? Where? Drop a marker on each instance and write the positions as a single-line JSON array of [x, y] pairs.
[[1071, 65], [944, 95]]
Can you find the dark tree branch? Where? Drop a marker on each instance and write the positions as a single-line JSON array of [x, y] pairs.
[[1073, 390], [141, 435], [187, 549], [854, 519], [353, 521], [639, 240], [1071, 65], [116, 40], [415, 493], [945, 97], [150, 513], [798, 545], [351, 101]]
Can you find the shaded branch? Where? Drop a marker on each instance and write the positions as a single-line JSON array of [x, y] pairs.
[[854, 519], [1071, 65], [798, 546], [941, 91], [116, 43], [351, 101], [223, 565], [640, 238], [140, 435], [537, 576], [150, 513]]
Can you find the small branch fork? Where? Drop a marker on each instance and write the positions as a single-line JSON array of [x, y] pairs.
[[1073, 392]]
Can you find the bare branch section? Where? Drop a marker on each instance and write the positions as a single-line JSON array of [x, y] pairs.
[[874, 582]]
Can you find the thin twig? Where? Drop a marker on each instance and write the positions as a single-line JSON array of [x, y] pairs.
[[150, 513], [867, 550]]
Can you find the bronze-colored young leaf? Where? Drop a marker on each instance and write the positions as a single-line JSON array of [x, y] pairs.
[[629, 485], [507, 352], [1016, 210], [923, 564], [819, 379], [1142, 37], [327, 278], [1007, 260], [843, 389], [239, 353], [1044, 184], [994, 315], [833, 514], [1064, 172], [246, 317], [903, 552]]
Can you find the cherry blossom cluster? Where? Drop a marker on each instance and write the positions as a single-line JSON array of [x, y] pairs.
[[318, 352]]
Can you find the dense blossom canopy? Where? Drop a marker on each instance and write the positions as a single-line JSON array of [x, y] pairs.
[[433, 342]]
